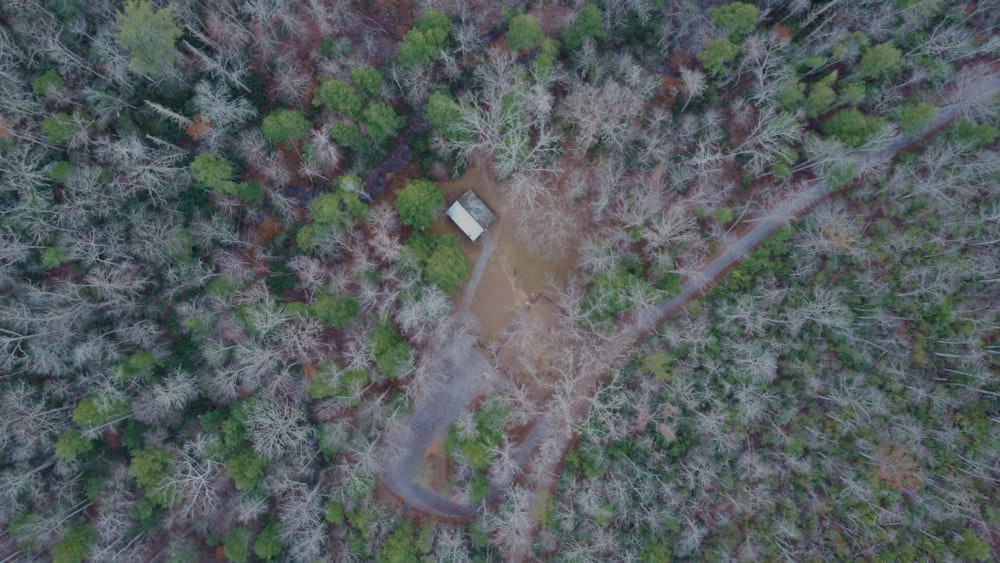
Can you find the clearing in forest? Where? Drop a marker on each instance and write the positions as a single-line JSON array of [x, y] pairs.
[[515, 272]]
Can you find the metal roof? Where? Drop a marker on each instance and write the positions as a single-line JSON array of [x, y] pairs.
[[464, 220], [471, 215], [478, 209]]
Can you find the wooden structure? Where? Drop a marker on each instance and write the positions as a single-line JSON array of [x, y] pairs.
[[471, 215]]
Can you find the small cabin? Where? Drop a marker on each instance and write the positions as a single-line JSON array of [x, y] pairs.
[[471, 215]]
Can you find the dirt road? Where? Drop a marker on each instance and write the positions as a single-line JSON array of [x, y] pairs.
[[477, 273], [461, 381]]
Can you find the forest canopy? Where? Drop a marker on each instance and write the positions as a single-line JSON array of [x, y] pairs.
[[738, 299]]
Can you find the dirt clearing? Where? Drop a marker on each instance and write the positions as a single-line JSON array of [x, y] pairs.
[[514, 272]]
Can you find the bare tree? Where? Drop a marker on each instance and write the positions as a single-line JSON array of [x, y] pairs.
[[27, 426], [221, 113], [254, 147], [273, 427], [607, 114], [232, 66], [526, 189], [383, 224], [514, 523], [975, 93], [694, 85], [167, 113], [165, 401], [450, 545], [302, 340], [192, 486], [771, 138]]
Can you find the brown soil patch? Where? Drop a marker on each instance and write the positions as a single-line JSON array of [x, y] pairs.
[[553, 18], [781, 34], [682, 58], [897, 469], [6, 130], [670, 87], [199, 127], [266, 230], [530, 347], [397, 15], [433, 472]]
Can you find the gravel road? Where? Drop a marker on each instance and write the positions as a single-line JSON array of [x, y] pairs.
[[477, 273], [459, 381]]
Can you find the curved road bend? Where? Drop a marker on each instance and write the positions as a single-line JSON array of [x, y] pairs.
[[466, 379], [461, 380]]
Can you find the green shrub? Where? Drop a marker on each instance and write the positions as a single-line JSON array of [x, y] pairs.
[[71, 445], [419, 203], [213, 172], [52, 257], [236, 545], [609, 294], [852, 127], [148, 35], [352, 382], [348, 136], [915, 115], [139, 364], [48, 85], [445, 265], [334, 309], [245, 467], [392, 353], [589, 24], [971, 548], [150, 467], [443, 113], [851, 94], [337, 208], [976, 134], [821, 97], [285, 126], [73, 546], [880, 61], [338, 97], [546, 57], [421, 44], [368, 80], [319, 385], [58, 128], [90, 413], [737, 19], [398, 547], [523, 33], [60, 170], [381, 121], [268, 544], [723, 215], [790, 95], [250, 191], [717, 54]]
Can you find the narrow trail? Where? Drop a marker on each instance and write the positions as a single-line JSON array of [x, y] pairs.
[[477, 273], [463, 380], [784, 214]]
